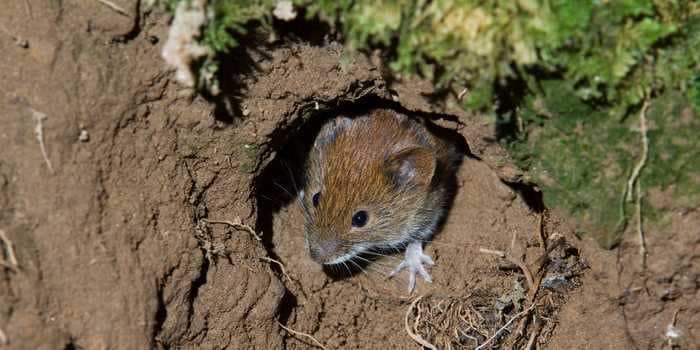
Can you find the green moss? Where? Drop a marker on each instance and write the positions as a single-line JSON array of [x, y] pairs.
[[583, 158], [674, 159]]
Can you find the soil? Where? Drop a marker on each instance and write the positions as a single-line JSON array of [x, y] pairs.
[[136, 231]]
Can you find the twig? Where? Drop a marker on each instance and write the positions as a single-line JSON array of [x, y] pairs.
[[505, 326], [516, 261], [415, 336], [284, 273], [10, 250], [634, 179], [114, 7], [39, 133], [237, 226], [302, 335]]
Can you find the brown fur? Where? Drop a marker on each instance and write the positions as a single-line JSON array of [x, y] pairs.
[[386, 164]]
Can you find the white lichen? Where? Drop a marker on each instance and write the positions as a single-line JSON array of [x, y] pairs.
[[673, 334], [182, 48], [284, 10]]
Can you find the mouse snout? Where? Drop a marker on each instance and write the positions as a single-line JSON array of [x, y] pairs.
[[323, 252]]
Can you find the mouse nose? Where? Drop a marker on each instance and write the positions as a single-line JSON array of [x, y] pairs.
[[322, 251]]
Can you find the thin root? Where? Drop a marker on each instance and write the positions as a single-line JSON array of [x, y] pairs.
[[640, 229], [11, 257], [301, 334], [645, 145], [39, 133], [271, 260], [415, 336], [634, 180], [237, 225]]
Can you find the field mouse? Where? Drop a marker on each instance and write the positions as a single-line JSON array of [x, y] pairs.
[[375, 182]]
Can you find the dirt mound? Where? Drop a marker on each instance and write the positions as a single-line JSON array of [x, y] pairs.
[[130, 210]]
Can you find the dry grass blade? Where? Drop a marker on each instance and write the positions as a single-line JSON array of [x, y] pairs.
[[301, 334], [10, 251], [237, 225]]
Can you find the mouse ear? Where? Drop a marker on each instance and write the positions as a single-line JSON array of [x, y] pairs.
[[330, 130], [414, 166]]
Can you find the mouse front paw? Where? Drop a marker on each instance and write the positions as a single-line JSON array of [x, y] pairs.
[[414, 261]]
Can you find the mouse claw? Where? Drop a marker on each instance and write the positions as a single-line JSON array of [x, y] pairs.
[[415, 262]]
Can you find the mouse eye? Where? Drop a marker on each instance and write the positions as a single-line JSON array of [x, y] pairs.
[[316, 198], [360, 218]]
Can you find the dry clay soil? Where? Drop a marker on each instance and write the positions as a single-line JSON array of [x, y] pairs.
[[118, 244]]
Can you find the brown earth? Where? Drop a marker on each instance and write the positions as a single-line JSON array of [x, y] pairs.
[[119, 244]]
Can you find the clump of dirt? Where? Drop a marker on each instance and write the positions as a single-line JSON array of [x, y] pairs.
[[161, 222]]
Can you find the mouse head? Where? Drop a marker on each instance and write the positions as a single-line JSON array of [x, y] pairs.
[[366, 186]]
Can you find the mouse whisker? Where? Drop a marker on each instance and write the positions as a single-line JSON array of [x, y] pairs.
[[305, 212], [372, 266], [382, 270], [399, 248], [358, 266], [374, 253], [399, 280], [374, 262], [291, 176], [378, 271], [273, 200], [347, 268], [439, 243], [283, 188]]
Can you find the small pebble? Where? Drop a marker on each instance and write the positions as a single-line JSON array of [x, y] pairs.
[[84, 136], [23, 43]]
